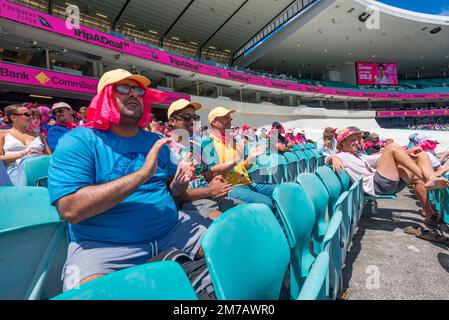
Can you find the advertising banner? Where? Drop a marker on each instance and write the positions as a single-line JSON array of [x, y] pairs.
[[376, 74]]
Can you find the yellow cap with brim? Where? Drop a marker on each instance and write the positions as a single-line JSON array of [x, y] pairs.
[[182, 104], [114, 76], [219, 112]]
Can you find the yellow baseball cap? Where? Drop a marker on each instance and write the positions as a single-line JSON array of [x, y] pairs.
[[181, 104], [219, 112], [118, 75]]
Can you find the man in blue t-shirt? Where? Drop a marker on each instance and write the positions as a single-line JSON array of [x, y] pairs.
[[113, 182]]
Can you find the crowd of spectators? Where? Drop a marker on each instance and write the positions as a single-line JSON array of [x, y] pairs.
[[421, 123], [131, 186]]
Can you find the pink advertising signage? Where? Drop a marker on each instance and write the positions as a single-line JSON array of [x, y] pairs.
[[374, 73], [56, 25], [413, 113], [14, 73], [19, 74]]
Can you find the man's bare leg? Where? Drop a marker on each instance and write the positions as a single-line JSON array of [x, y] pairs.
[[433, 181], [394, 156]]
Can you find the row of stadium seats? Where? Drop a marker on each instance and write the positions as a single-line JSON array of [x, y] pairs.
[[35, 242], [279, 168]]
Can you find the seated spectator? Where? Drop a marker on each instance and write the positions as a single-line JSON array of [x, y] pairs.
[[390, 171], [4, 177], [226, 158], [300, 137], [263, 134], [65, 122], [290, 138], [429, 146], [82, 115], [118, 197], [206, 194], [327, 145], [19, 143], [372, 144], [35, 123], [282, 143]]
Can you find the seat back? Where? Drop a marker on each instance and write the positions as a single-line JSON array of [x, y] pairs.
[[315, 285], [164, 280], [31, 259], [292, 166], [36, 171], [246, 253], [298, 216], [319, 195], [345, 180], [332, 184], [23, 206], [332, 245], [302, 161]]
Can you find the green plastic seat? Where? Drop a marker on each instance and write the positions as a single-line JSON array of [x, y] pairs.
[[344, 204], [345, 180], [315, 285], [163, 280], [36, 171], [297, 214], [292, 166], [332, 245], [246, 253], [34, 244], [24, 206], [332, 184], [319, 195], [302, 161]]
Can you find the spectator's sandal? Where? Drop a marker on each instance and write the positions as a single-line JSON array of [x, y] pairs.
[[429, 235], [434, 222]]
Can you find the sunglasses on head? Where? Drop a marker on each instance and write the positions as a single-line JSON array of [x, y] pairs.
[[25, 114], [126, 89], [188, 117]]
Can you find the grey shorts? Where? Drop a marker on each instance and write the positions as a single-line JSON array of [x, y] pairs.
[[384, 186], [206, 206], [87, 258]]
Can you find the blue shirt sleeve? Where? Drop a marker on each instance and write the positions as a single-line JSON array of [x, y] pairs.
[[72, 166], [54, 134]]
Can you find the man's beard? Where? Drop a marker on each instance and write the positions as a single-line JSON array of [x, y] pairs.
[[133, 112]]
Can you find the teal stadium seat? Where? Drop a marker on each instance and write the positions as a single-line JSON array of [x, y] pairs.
[[36, 171], [34, 244], [332, 245], [163, 280], [298, 216], [333, 186], [319, 195], [345, 180], [246, 253], [315, 286], [292, 166]]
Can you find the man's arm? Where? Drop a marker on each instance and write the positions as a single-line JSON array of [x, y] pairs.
[[90, 201], [218, 187]]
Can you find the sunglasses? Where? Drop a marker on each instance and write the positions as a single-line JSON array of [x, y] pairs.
[[126, 89], [61, 110], [25, 114], [187, 117]]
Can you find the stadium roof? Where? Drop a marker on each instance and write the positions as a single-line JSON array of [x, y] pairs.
[[226, 25], [331, 36]]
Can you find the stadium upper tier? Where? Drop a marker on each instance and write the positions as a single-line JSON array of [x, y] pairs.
[[19, 20]]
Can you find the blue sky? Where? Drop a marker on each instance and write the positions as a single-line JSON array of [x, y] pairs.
[[428, 6]]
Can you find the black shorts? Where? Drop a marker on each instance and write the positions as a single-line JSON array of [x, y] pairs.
[[383, 186]]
